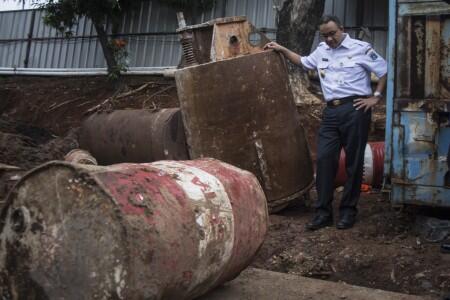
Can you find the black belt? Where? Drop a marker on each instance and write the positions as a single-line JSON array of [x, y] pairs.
[[337, 102]]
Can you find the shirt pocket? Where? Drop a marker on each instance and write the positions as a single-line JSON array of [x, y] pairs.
[[347, 71], [348, 64]]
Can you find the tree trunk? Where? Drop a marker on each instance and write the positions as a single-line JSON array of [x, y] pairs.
[[111, 61], [297, 23]]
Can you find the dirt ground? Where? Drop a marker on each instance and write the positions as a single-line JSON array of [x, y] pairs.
[[39, 119]]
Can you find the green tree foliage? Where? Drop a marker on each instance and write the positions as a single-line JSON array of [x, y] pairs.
[[63, 15]]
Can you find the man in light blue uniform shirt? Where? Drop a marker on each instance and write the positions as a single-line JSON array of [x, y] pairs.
[[344, 66]]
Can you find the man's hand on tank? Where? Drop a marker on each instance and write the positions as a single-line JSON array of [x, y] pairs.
[[273, 45], [365, 103]]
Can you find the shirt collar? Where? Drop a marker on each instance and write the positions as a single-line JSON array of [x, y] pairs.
[[346, 42]]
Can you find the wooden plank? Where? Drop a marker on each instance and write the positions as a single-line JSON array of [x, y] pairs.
[[427, 8], [433, 57], [445, 58], [221, 46], [403, 68], [418, 51], [417, 1], [221, 41]]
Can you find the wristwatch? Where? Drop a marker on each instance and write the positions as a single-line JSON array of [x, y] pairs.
[[378, 94]]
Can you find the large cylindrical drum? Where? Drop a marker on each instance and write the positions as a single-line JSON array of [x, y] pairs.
[[165, 230], [242, 111], [134, 136]]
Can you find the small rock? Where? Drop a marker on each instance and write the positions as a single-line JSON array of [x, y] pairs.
[[419, 275], [426, 284]]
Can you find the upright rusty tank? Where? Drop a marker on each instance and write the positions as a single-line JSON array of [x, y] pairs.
[[165, 230], [134, 135], [237, 106]]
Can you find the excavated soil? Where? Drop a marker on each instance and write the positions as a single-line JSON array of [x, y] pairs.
[[39, 119]]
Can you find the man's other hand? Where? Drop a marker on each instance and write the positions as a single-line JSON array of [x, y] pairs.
[[365, 103]]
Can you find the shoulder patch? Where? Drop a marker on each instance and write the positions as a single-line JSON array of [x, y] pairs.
[[373, 55]]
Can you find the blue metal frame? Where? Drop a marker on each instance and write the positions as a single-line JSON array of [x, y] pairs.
[[390, 87]]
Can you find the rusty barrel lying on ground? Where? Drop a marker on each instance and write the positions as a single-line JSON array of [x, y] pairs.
[[242, 111], [134, 136], [165, 230]]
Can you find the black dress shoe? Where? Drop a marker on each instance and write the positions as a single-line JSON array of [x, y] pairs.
[[346, 222], [319, 221], [445, 246]]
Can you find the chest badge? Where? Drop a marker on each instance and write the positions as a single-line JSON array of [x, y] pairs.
[[322, 73]]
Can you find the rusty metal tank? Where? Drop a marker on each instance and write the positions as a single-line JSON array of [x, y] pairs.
[[242, 111], [134, 136], [164, 230]]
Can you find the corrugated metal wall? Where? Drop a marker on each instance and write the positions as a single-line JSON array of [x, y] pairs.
[[150, 32]]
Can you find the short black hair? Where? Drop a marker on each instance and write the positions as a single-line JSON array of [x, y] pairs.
[[329, 18]]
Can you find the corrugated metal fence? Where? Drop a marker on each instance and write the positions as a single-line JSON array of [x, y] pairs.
[[25, 42]]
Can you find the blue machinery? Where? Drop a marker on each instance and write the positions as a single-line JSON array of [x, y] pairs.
[[418, 103]]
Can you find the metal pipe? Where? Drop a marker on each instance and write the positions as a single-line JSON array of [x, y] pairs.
[[29, 40], [164, 71], [391, 50]]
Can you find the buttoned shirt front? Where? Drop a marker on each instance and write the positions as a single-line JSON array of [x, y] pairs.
[[345, 71]]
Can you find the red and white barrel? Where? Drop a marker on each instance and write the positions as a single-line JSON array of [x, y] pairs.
[[373, 165], [164, 230]]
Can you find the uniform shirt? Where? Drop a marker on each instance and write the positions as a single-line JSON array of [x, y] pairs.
[[345, 70]]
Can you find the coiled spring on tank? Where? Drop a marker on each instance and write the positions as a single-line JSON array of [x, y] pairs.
[[188, 51]]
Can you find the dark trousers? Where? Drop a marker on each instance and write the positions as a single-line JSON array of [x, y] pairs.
[[342, 126]]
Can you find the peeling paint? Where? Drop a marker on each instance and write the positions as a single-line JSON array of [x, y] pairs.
[[420, 133]]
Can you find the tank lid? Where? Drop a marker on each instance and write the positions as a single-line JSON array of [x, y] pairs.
[[235, 19]]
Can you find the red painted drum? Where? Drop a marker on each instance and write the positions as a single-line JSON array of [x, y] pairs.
[[163, 230], [373, 165]]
